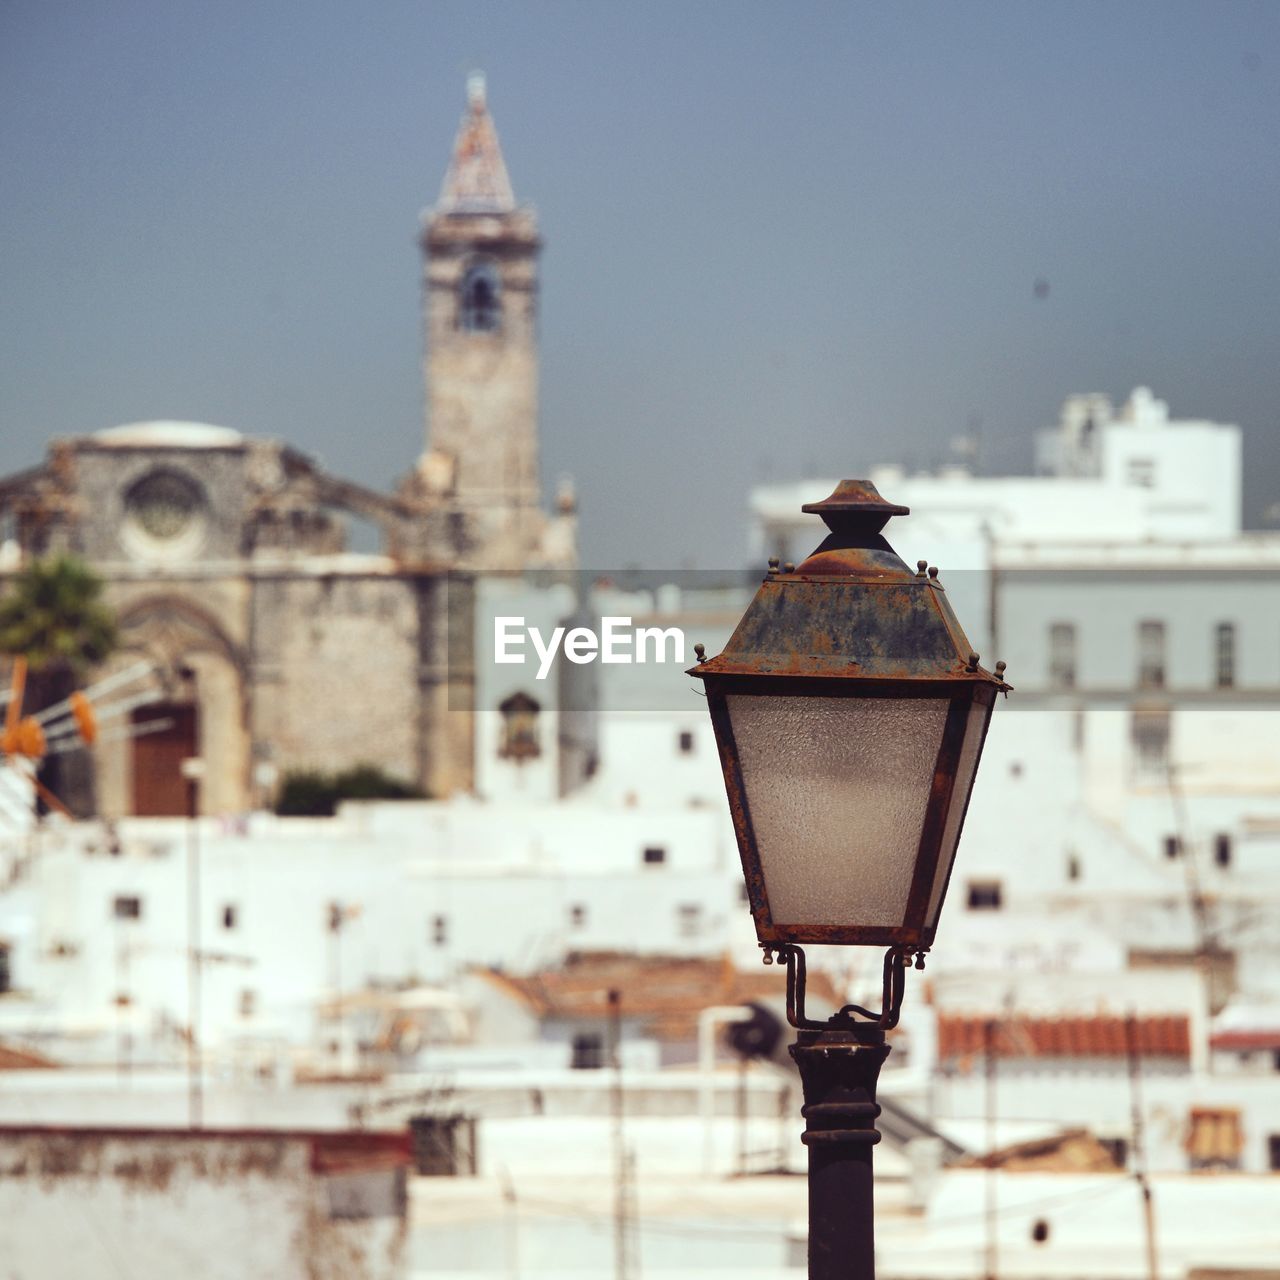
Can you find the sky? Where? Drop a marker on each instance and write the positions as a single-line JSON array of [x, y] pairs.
[[781, 239]]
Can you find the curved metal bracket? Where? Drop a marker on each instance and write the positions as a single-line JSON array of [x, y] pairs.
[[893, 990]]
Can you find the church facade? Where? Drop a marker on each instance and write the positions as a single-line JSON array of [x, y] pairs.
[[271, 647]]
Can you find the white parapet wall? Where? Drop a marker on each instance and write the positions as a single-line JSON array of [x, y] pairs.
[[204, 1205]]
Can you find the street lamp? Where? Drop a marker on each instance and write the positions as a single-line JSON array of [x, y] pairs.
[[850, 712]]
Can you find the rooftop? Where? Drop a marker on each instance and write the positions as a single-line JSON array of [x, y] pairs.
[[964, 1037], [477, 180], [668, 993]]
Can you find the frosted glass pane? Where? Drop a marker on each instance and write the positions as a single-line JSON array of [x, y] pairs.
[[974, 729], [837, 789]]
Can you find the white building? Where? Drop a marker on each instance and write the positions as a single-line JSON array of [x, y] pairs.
[[1121, 855], [292, 913], [1123, 828]]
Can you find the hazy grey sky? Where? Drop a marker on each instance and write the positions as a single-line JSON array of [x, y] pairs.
[[780, 238]]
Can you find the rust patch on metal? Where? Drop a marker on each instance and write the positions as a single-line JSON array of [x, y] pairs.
[[853, 608]]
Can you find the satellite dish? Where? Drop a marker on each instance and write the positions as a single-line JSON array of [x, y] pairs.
[[759, 1036]]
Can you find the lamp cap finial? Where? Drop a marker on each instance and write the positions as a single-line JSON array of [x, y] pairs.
[[856, 504]]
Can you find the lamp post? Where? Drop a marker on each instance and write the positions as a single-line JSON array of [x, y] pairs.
[[850, 713], [193, 771]]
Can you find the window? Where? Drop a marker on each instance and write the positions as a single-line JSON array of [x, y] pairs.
[[655, 855], [248, 1003], [1222, 849], [1062, 655], [686, 743], [127, 908], [229, 916], [1117, 1149], [1142, 472], [588, 1051], [444, 1146], [1275, 1059], [1215, 1138], [1224, 655], [6, 978], [459, 534], [577, 916], [1074, 870], [689, 919], [1172, 847], [439, 930], [1151, 655], [479, 302], [984, 895], [519, 739], [1273, 1152], [1150, 734]]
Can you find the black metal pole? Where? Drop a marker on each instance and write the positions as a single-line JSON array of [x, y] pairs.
[[839, 1068]]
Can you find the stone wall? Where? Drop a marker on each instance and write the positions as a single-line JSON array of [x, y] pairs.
[[335, 672], [110, 481]]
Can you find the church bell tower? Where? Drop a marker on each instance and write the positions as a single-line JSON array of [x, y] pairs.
[[479, 474]]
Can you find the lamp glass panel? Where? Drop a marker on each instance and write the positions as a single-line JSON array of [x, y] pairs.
[[974, 730], [837, 790]]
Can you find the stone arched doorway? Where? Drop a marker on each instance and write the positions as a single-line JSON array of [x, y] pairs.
[[198, 709]]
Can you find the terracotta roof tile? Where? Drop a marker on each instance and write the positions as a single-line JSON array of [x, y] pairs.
[[1245, 1040], [12, 1059], [963, 1037], [666, 992]]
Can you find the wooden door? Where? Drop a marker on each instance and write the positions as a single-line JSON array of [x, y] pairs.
[[159, 789]]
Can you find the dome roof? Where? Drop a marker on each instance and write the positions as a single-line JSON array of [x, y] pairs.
[[171, 435]]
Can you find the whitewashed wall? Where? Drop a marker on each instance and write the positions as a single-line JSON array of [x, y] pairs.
[[202, 1206]]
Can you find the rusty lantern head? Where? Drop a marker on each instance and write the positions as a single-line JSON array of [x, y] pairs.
[[850, 713]]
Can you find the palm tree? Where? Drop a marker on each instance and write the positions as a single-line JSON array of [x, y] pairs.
[[53, 616]]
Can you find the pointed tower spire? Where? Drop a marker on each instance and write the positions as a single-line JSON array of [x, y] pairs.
[[477, 180]]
